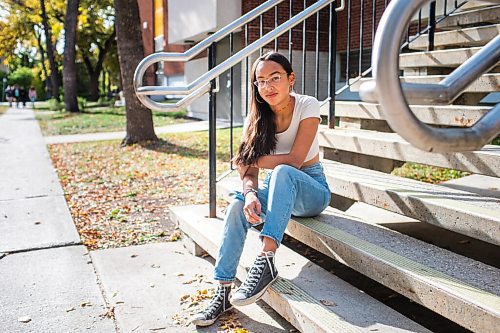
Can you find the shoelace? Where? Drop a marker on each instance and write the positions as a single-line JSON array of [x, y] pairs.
[[216, 301], [255, 273]]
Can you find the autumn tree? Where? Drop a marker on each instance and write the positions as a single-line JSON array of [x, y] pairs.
[[96, 39], [130, 53], [54, 77]]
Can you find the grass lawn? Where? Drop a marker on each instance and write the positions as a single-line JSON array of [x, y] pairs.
[[120, 196], [96, 119], [428, 174]]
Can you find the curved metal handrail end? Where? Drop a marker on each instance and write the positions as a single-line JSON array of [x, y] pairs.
[[342, 6], [163, 107], [368, 92], [161, 90]]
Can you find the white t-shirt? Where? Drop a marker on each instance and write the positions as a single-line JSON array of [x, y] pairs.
[[305, 107]]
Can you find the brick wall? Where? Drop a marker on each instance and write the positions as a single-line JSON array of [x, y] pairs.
[[324, 26]]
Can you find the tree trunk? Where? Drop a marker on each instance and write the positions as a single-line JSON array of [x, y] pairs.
[[46, 82], [95, 72], [94, 87], [54, 77], [69, 62], [130, 53]]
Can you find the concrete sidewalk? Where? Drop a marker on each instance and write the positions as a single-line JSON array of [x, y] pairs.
[[47, 281], [51, 283]]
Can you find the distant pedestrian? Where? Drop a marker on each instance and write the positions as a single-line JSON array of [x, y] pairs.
[[23, 96], [9, 94], [32, 96], [17, 95]]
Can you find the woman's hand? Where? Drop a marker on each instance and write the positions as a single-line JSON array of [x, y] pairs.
[[252, 208]]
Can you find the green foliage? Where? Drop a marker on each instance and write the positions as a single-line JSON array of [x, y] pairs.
[[428, 174], [22, 76], [55, 105], [82, 103]]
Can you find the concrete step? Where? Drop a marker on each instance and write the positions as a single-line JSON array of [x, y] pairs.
[[392, 146], [449, 115], [442, 58], [485, 84], [482, 16], [485, 186], [476, 36], [309, 297], [455, 210], [426, 274]]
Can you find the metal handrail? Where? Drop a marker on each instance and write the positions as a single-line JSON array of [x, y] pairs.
[[202, 84], [188, 55], [387, 90]]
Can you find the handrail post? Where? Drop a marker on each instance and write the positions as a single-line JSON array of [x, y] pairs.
[[212, 195], [432, 25], [333, 65]]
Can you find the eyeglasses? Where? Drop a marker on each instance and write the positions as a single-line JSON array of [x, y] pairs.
[[273, 80]]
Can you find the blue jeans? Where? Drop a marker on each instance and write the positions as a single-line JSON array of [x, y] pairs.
[[286, 191]]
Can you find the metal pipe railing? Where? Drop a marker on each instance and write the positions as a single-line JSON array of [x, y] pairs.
[[143, 92], [202, 81], [390, 93]]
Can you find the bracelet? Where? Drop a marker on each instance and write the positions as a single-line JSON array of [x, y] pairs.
[[250, 190]]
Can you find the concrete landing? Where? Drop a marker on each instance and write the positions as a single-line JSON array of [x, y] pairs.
[[145, 284]]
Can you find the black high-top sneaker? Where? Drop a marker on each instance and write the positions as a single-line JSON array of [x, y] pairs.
[[260, 276], [218, 305]]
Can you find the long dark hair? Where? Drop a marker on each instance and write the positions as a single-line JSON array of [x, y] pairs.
[[260, 136]]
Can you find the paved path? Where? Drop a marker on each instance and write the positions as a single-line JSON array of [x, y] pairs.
[[46, 277], [49, 282], [192, 126]]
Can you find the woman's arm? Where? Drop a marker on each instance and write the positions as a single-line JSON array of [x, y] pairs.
[[303, 141]]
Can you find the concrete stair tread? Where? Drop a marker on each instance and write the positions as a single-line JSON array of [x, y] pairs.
[[475, 36], [488, 14], [451, 115], [302, 285], [459, 211], [485, 83], [480, 184], [406, 265], [391, 145], [441, 58]]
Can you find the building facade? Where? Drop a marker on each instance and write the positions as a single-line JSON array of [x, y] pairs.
[[176, 25]]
